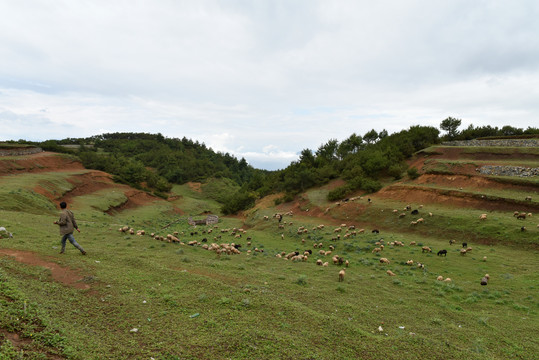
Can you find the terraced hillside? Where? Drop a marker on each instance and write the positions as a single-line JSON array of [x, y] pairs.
[[140, 297]]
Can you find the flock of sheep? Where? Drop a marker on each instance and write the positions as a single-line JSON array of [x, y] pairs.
[[340, 232]]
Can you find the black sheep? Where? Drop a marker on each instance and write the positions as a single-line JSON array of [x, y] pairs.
[[464, 245], [376, 231], [415, 212], [442, 252]]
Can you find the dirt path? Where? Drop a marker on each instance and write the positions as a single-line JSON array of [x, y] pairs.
[[59, 273]]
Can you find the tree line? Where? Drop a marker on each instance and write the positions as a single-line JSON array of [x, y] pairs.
[[154, 162]]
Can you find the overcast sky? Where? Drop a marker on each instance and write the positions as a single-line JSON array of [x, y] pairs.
[[264, 79]]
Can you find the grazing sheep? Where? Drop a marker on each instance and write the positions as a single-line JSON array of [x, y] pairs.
[[426, 249], [484, 280], [391, 273], [412, 243], [346, 263], [468, 249], [521, 216], [401, 215], [326, 264], [483, 217], [361, 231], [462, 252], [464, 245], [319, 262], [377, 250], [376, 231], [410, 262], [413, 223], [451, 242], [442, 252], [523, 228], [530, 214], [420, 265], [440, 278], [430, 214], [516, 213], [341, 275], [415, 212], [484, 258], [528, 198], [420, 220], [447, 280], [384, 261]]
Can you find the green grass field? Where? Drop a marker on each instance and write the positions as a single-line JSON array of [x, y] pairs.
[[140, 298]]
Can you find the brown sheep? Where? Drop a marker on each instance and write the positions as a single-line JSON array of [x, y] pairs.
[[341, 275], [426, 249], [384, 261], [391, 273]]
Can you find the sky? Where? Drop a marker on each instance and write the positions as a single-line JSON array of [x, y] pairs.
[[264, 79]]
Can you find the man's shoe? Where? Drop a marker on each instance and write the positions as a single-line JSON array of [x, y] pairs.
[[83, 252], [61, 252]]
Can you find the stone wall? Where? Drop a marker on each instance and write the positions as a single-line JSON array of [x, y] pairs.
[[20, 151], [500, 170], [497, 142]]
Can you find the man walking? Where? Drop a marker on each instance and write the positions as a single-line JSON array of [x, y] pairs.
[[67, 226]]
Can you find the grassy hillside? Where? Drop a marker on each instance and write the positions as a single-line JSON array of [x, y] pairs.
[[134, 297]]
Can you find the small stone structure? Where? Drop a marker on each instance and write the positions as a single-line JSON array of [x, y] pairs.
[[209, 220], [496, 142], [506, 170], [20, 151]]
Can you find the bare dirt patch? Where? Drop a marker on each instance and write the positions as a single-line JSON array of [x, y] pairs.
[[195, 186], [41, 162], [59, 273]]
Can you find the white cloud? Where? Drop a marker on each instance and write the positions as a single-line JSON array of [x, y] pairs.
[[264, 79]]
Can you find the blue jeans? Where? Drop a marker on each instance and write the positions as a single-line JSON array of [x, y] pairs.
[[72, 241]]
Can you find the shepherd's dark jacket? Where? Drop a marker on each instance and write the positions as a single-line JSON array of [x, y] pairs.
[[67, 222]]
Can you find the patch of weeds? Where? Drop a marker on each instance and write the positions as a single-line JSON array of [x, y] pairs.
[[483, 321], [241, 267], [281, 277], [520, 307], [180, 252], [246, 302], [185, 259], [472, 298], [341, 289], [202, 297], [494, 295], [224, 301], [302, 280], [397, 282], [507, 276], [436, 321], [7, 351]]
